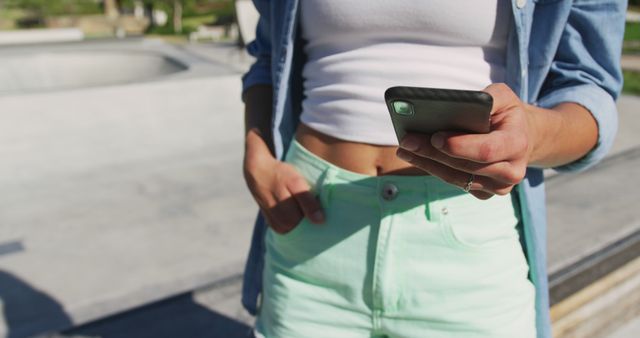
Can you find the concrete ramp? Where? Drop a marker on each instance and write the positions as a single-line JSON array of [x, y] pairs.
[[48, 35]]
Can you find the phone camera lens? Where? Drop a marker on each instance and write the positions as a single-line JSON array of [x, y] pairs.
[[402, 108]]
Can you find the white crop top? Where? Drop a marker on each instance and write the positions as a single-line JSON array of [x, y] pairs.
[[356, 49]]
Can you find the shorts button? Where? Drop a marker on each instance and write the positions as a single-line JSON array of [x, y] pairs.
[[389, 191]]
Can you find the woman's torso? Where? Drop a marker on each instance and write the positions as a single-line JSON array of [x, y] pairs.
[[352, 50]]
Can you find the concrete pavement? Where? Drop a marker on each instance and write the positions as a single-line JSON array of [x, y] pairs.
[[115, 197]]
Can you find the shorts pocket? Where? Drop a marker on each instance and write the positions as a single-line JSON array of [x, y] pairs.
[[472, 224], [318, 188], [293, 232]]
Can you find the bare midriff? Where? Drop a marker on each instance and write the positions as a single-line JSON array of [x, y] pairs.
[[363, 158]]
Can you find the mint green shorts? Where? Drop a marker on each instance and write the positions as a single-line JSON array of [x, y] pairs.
[[398, 256]]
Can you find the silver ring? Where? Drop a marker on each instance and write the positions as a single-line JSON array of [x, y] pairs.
[[469, 183]]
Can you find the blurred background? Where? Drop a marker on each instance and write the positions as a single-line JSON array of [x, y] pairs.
[[123, 211]]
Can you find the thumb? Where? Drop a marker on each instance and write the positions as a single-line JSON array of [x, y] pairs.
[[301, 192]]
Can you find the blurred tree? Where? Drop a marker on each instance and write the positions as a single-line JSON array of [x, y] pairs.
[[111, 8], [44, 8], [177, 16], [177, 10]]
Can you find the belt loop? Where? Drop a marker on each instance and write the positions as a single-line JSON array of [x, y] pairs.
[[430, 196], [324, 186]]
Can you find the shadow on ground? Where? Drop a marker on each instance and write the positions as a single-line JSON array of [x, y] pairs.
[[179, 316], [22, 321]]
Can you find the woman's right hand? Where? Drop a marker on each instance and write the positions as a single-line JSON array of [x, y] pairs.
[[282, 193]]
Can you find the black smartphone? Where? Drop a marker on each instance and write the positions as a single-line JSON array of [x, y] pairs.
[[428, 110]]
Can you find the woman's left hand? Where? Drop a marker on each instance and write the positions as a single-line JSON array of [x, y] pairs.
[[498, 160]]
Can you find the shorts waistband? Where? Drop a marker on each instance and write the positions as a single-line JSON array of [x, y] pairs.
[[315, 166]]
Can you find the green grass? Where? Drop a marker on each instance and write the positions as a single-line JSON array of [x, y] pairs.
[[631, 47], [8, 17], [11, 13], [632, 31], [631, 82], [631, 43], [191, 24]]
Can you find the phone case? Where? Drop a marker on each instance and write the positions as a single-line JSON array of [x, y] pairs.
[[437, 109]]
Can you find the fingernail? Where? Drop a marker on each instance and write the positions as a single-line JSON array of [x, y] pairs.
[[317, 217], [404, 155], [437, 140], [409, 143]]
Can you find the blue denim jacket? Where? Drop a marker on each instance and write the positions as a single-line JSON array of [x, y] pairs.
[[558, 51]]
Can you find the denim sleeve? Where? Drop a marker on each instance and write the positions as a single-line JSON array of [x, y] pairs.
[[586, 70], [260, 48]]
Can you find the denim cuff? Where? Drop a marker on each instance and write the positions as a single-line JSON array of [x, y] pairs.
[[602, 107]]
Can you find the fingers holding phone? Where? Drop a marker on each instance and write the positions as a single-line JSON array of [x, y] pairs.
[[497, 159], [489, 178]]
